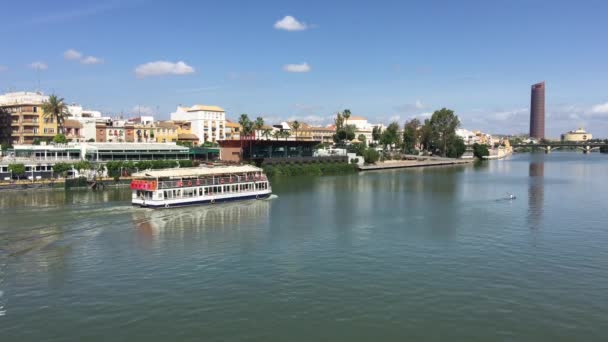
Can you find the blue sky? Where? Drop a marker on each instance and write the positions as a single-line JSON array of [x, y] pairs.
[[385, 60]]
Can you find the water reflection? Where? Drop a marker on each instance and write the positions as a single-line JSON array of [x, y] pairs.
[[536, 172], [192, 221]]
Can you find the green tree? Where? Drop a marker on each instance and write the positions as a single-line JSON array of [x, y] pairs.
[[258, 124], [443, 126], [83, 165], [277, 134], [57, 110], [411, 135], [295, 126], [358, 148], [345, 133], [480, 150], [267, 133], [91, 140], [246, 124], [426, 139], [17, 170], [60, 139], [371, 156], [390, 135], [346, 115], [61, 169], [376, 133], [362, 139], [285, 134], [455, 147], [339, 121]]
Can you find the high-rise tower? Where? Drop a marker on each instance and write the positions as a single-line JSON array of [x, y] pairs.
[[537, 111]]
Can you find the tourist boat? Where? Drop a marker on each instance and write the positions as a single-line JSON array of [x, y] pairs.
[[198, 185]]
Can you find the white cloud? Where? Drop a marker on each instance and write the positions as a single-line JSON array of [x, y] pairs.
[[143, 110], [91, 60], [304, 67], [510, 114], [39, 66], [600, 108], [396, 118], [289, 23], [309, 119], [409, 108], [160, 68], [72, 54], [3, 68]]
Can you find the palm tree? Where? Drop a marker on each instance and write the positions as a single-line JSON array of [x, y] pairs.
[[296, 126], [267, 132], [246, 125], [56, 109], [258, 124], [285, 134], [346, 116], [277, 134]]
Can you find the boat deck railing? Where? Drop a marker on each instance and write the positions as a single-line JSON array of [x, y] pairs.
[[170, 184]]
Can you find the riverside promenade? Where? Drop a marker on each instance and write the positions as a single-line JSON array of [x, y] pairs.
[[415, 161]]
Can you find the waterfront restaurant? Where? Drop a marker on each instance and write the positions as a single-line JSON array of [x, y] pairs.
[[102, 152], [265, 150]]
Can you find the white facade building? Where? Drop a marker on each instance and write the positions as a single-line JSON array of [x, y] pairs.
[[208, 122], [362, 126], [22, 97], [77, 112]]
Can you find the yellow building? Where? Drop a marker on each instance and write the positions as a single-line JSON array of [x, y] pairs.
[[174, 131], [22, 112], [233, 130], [578, 135]]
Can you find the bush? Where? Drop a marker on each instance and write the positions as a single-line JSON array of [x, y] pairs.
[[480, 151], [371, 156], [186, 163], [60, 139], [311, 169], [17, 169], [455, 148], [354, 161], [62, 168]]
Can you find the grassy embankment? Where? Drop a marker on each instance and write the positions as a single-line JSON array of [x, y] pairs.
[[309, 169]]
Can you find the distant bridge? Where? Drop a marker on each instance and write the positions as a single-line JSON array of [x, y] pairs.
[[550, 146]]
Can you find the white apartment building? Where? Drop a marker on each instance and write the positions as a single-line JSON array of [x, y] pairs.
[[208, 122], [77, 112], [362, 126]]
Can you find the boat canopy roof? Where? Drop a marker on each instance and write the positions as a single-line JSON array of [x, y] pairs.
[[188, 172]]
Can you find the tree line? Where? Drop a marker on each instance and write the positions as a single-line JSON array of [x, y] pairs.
[[436, 135]]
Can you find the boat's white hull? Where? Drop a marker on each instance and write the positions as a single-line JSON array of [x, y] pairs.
[[201, 200]]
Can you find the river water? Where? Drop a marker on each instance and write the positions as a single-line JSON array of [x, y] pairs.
[[434, 254]]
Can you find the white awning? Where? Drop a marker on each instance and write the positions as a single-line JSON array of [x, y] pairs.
[[196, 171]]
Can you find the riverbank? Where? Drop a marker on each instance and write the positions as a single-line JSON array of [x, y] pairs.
[[61, 184], [309, 169], [418, 162]]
